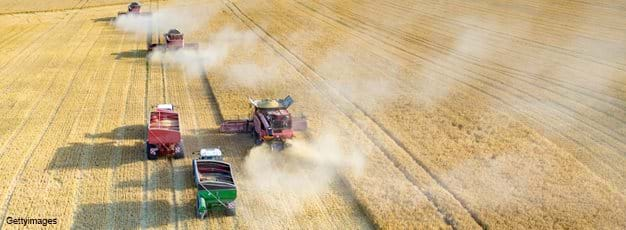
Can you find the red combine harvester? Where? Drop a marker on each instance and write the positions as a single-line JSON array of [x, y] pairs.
[[133, 8], [270, 122], [174, 40], [164, 133]]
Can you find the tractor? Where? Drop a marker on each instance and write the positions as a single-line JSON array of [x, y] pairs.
[[215, 183], [269, 122], [164, 133], [174, 40]]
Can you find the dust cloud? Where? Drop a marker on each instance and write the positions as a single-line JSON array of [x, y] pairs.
[[288, 180]]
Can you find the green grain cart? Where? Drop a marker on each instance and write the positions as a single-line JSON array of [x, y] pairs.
[[215, 183]]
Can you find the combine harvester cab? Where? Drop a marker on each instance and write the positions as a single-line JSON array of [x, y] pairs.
[[216, 186], [174, 40], [269, 122], [134, 8], [164, 133]]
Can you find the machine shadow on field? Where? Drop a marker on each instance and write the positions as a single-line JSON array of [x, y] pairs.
[[135, 132], [102, 154], [103, 19], [234, 147], [130, 54]]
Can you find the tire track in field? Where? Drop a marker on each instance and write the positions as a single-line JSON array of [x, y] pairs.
[[30, 153], [608, 132], [307, 72], [596, 163]]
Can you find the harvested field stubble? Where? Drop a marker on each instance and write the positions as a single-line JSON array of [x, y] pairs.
[[421, 114]]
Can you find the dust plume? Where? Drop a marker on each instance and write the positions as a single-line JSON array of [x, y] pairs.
[[184, 16], [289, 180], [208, 55]]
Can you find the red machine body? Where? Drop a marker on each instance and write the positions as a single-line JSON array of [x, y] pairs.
[[270, 122], [133, 8], [164, 133], [174, 40]]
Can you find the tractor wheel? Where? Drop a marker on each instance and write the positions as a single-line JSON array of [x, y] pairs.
[[231, 210], [152, 151], [277, 146], [179, 151], [199, 214], [257, 140]]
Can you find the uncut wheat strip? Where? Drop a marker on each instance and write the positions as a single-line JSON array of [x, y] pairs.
[[504, 62], [515, 32], [32, 131], [63, 170], [95, 168], [375, 69], [569, 104], [600, 163], [127, 190], [346, 115]]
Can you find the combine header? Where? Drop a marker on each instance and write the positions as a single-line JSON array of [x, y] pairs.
[[270, 122], [214, 179], [164, 133], [174, 40]]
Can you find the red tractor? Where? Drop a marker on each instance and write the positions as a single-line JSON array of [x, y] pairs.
[[164, 133], [133, 8], [174, 40], [269, 122]]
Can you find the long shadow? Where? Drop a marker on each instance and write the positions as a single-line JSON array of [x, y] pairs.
[[234, 147], [130, 54], [136, 132], [101, 155], [104, 19]]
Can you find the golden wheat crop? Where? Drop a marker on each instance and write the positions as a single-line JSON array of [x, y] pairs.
[[421, 114]]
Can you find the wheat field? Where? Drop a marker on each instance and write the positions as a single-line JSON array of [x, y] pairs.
[[421, 114]]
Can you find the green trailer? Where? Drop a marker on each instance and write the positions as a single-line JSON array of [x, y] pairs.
[[215, 183]]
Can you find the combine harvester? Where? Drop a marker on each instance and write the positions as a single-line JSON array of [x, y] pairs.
[[174, 40], [164, 133], [134, 8], [270, 122], [214, 179]]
